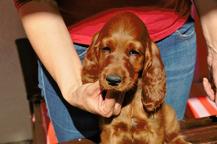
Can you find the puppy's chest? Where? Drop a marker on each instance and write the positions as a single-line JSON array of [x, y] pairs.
[[132, 119], [133, 126]]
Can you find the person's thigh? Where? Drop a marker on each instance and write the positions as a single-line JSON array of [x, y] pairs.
[[178, 52], [69, 122]]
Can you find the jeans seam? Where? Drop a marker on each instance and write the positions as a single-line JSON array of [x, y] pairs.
[[185, 35], [81, 54]]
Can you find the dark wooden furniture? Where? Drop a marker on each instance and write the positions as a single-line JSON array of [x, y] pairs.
[[28, 61], [200, 131]]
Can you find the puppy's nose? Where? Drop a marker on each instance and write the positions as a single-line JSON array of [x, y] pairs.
[[113, 80]]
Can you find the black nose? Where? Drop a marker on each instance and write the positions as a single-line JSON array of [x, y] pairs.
[[113, 80]]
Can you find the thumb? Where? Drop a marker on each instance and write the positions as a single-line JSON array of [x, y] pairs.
[[107, 105], [118, 104]]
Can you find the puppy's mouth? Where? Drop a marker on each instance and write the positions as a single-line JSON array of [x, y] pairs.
[[104, 92], [117, 95], [107, 86], [113, 84]]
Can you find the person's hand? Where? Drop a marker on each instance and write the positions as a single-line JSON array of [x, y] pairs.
[[88, 97], [210, 86]]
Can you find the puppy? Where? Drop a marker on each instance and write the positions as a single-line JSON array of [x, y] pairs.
[[127, 63]]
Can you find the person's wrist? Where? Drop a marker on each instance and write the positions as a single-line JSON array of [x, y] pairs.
[[74, 97], [69, 95]]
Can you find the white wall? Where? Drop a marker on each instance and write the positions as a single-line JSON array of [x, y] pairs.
[[15, 119]]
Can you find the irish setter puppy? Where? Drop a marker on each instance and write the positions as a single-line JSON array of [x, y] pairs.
[[126, 62]]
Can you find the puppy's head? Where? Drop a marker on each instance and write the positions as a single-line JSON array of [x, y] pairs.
[[120, 53]]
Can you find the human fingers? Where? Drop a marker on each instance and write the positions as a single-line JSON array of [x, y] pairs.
[[214, 80], [118, 104], [107, 105], [101, 106], [86, 97], [214, 86], [208, 89], [95, 103]]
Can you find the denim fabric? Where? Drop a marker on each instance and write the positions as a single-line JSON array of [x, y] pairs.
[[69, 122], [178, 52]]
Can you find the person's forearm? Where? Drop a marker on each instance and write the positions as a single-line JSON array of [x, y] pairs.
[[51, 41], [207, 10]]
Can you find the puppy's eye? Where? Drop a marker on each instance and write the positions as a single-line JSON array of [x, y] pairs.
[[106, 50], [133, 53]]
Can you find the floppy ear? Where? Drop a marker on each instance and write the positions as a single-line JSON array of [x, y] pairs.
[[153, 79], [90, 62]]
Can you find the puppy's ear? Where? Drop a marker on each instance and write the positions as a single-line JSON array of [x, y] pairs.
[[153, 79], [90, 62]]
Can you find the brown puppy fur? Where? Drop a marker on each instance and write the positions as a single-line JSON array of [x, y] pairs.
[[126, 62]]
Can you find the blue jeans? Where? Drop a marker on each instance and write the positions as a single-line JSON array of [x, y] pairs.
[[178, 52]]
